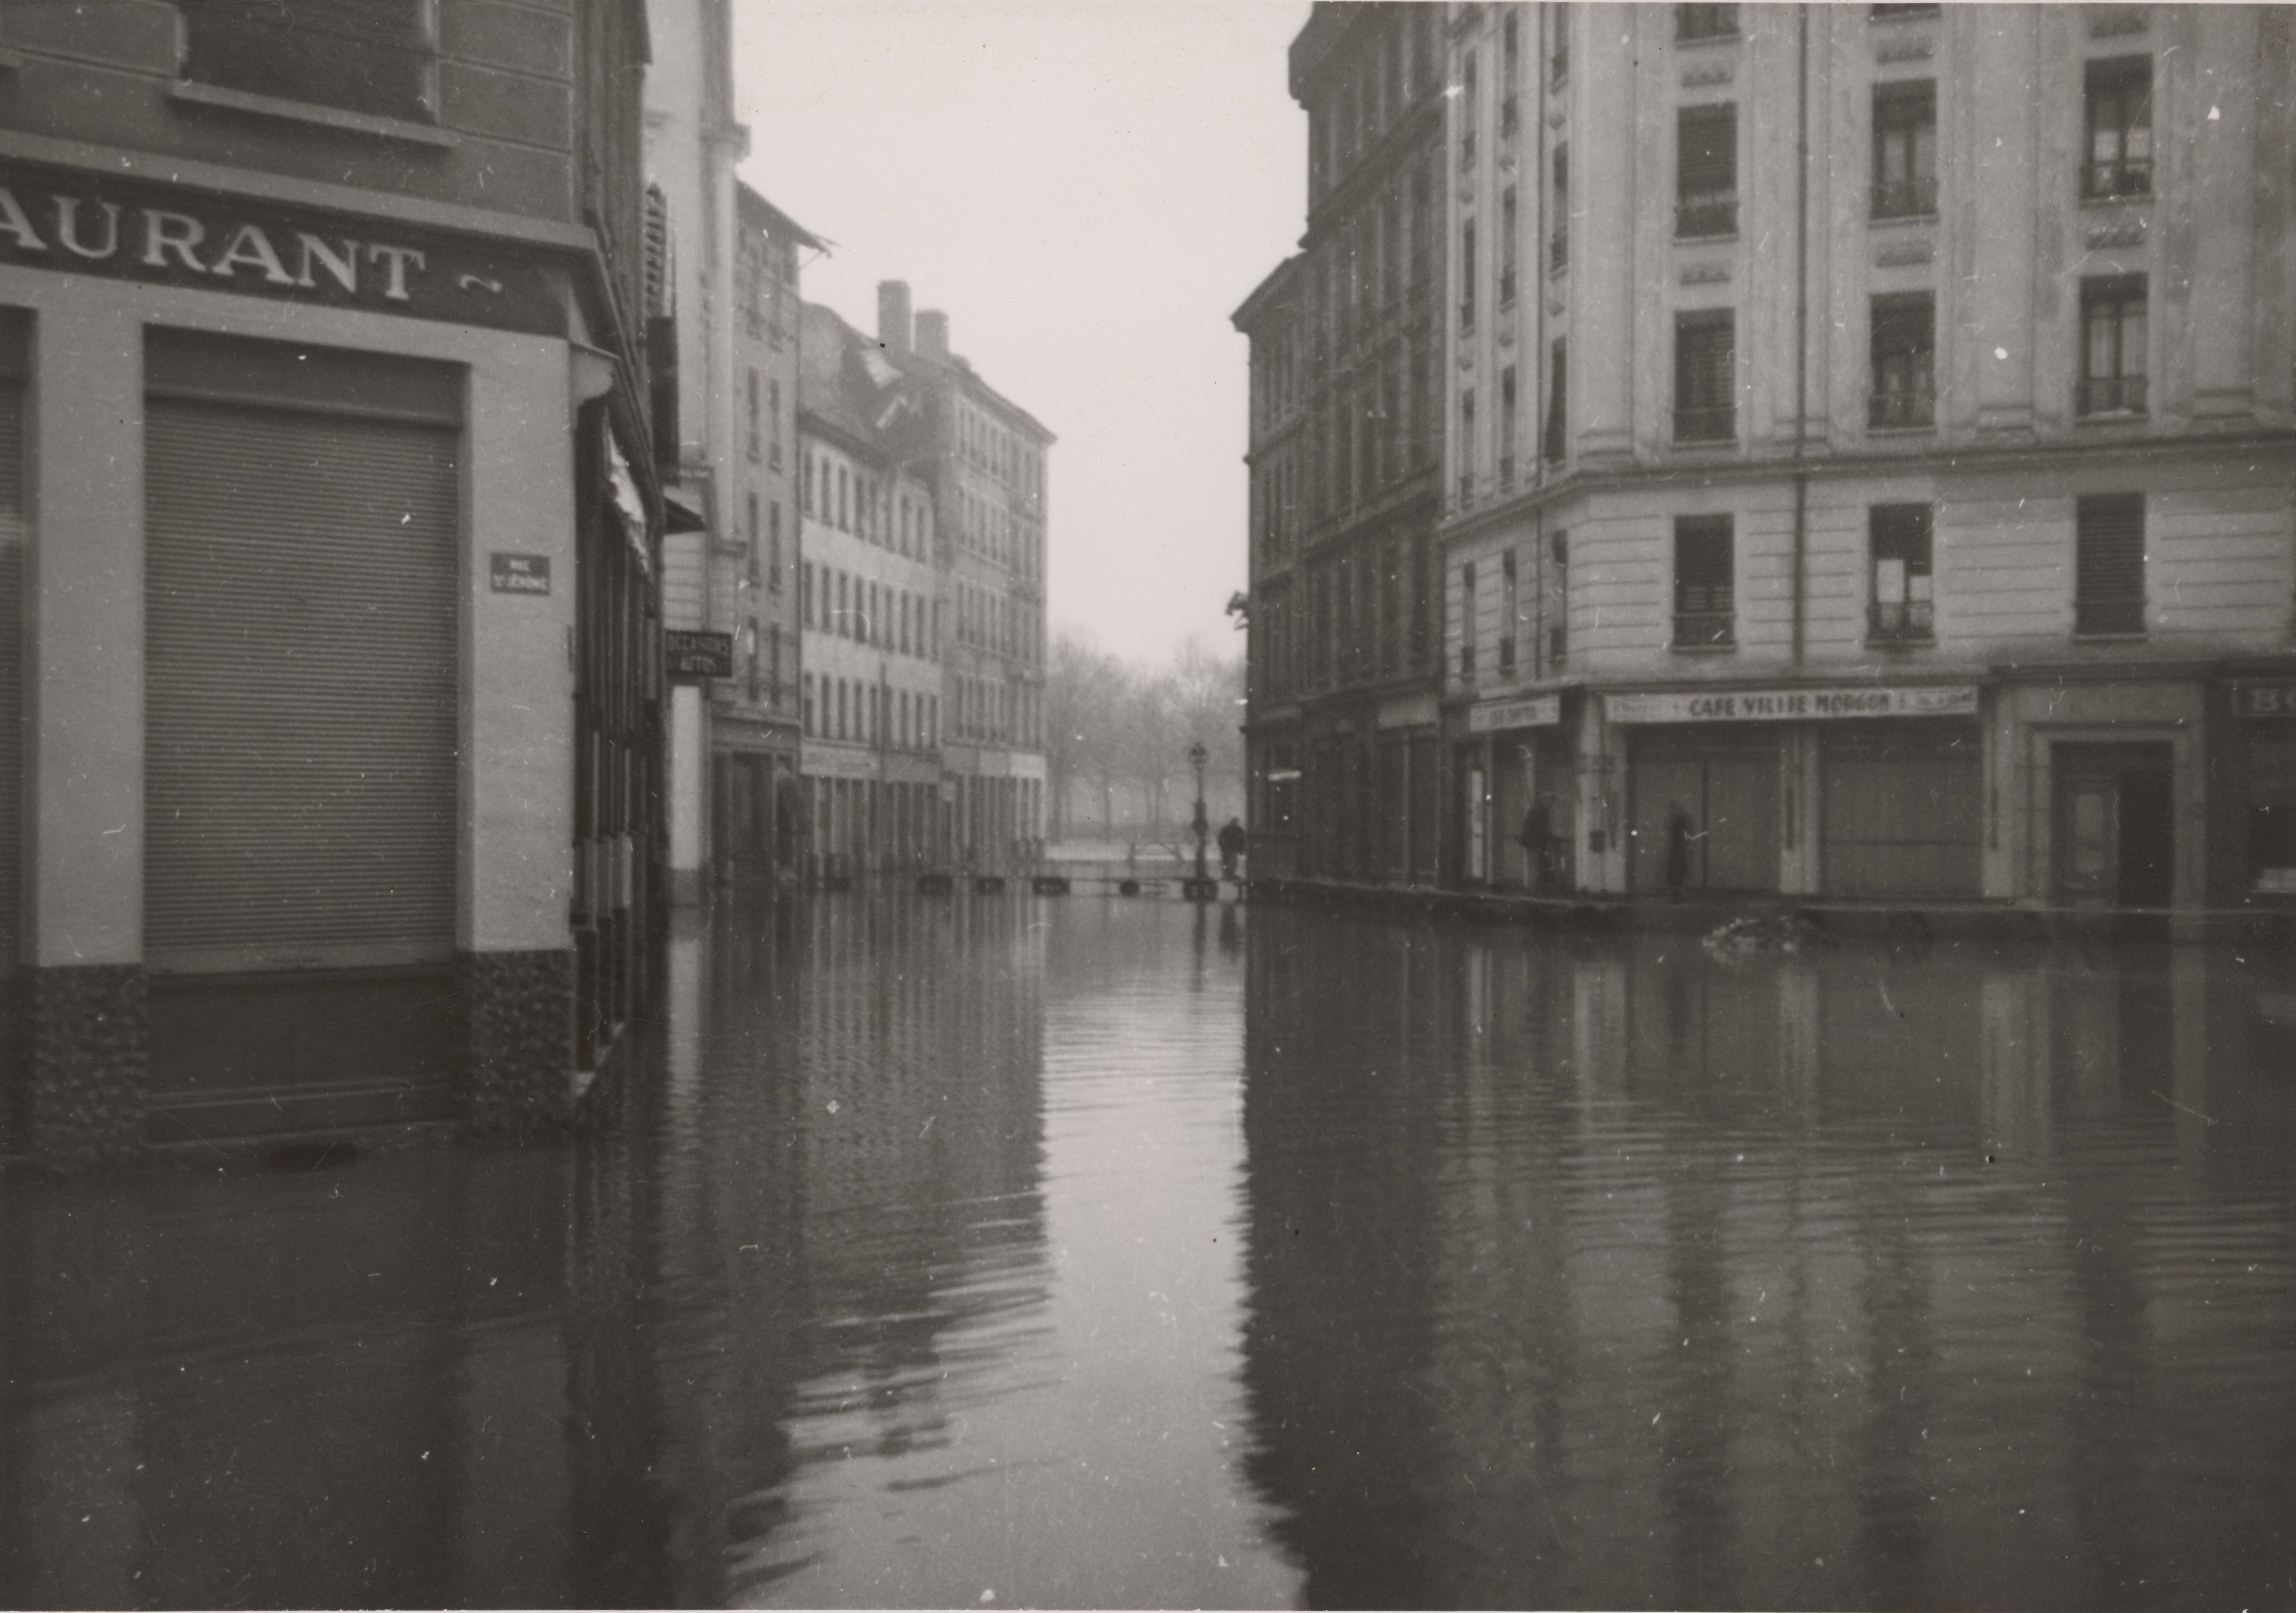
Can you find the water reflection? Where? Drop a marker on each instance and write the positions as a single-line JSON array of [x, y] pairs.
[[1129, 1253], [1848, 1280]]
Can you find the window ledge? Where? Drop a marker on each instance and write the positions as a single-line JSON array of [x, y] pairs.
[[2112, 417], [1704, 241], [1703, 649], [1927, 430], [305, 111], [1929, 642], [2111, 638], [2133, 199], [1883, 219]]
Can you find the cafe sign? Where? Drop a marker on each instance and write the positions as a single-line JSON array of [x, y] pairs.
[[123, 230], [1793, 705], [1542, 711], [691, 657]]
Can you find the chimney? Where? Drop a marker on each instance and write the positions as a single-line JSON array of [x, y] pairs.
[[893, 315], [932, 333]]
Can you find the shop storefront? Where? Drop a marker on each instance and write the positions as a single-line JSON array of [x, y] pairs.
[[1857, 791], [336, 765], [1519, 795], [2259, 853]]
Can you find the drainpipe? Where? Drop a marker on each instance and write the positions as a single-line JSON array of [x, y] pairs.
[[1801, 327]]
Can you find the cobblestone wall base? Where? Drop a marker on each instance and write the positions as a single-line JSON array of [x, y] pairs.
[[521, 1047], [86, 1030]]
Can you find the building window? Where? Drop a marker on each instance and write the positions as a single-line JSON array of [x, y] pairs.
[[805, 482], [1506, 611], [1900, 608], [1467, 604], [1467, 275], [2109, 564], [1506, 427], [1557, 391], [1704, 359], [2119, 128], [1905, 149], [1905, 363], [1467, 447], [1558, 241], [805, 717], [1706, 171], [2112, 346], [1705, 22], [774, 543], [805, 596], [774, 424], [1703, 597], [757, 429], [1558, 63], [372, 56], [1467, 110], [1506, 247], [1558, 582]]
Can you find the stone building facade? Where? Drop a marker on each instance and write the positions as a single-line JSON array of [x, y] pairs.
[[330, 530], [1867, 447], [1343, 758], [869, 594]]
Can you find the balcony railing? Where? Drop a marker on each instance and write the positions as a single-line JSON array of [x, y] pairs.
[[1891, 410], [1705, 629], [1716, 424], [2110, 395], [2117, 614], [1700, 217], [1905, 622], [1903, 198], [2127, 177]]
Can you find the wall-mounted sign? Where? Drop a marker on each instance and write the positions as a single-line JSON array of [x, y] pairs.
[[123, 229], [1541, 712], [2274, 699], [1792, 705], [509, 573], [833, 761], [692, 657]]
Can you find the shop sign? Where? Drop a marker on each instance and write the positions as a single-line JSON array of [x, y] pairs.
[[838, 762], [1792, 705], [509, 573], [691, 657], [1543, 711], [1283, 775], [2274, 699], [123, 230]]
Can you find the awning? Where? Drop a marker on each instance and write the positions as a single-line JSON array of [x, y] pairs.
[[627, 504], [678, 516]]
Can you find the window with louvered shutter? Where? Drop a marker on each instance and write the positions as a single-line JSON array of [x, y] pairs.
[[1706, 170], [372, 56], [301, 655], [2109, 564], [1704, 581]]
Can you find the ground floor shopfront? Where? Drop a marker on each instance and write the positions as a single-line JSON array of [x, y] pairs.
[[756, 795], [870, 812], [334, 752], [1351, 793], [2169, 789]]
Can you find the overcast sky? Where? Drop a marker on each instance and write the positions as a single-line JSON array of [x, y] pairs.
[[1089, 189]]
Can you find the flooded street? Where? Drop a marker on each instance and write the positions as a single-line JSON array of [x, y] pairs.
[[1013, 1251]]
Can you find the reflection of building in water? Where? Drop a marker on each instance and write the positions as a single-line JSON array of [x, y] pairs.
[[1614, 1277]]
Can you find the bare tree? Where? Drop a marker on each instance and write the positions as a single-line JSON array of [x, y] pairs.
[[1128, 729]]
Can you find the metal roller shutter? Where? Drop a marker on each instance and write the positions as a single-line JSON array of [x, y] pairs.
[[300, 716]]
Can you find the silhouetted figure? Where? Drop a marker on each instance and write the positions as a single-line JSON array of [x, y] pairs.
[[1537, 842], [1231, 847], [1680, 831]]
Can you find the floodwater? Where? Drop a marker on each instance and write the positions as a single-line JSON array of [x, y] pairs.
[[984, 1251]]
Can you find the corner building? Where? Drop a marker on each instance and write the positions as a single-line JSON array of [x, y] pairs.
[[1868, 451], [1342, 759], [329, 526]]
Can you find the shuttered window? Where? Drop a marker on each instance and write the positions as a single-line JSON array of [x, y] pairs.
[[301, 652], [1704, 591], [15, 335], [1706, 170], [2109, 564]]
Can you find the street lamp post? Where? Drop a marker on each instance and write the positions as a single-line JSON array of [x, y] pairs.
[[1201, 888]]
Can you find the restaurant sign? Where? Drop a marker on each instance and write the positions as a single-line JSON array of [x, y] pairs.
[[1541, 712], [123, 230], [1792, 705]]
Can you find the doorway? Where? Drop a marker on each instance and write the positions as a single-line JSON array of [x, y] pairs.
[[2115, 825]]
